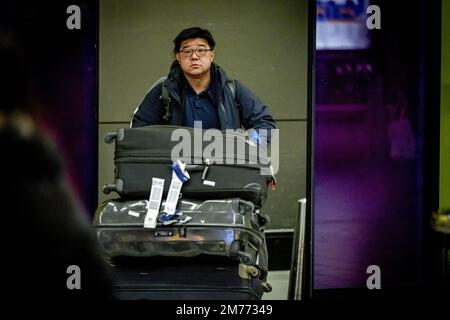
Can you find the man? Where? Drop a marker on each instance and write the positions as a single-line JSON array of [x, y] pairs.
[[199, 90]]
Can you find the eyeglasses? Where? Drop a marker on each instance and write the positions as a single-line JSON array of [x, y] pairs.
[[187, 53]]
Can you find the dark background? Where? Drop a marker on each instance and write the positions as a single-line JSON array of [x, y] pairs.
[[61, 81], [368, 207]]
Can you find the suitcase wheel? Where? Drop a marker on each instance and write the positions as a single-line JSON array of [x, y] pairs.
[[247, 272]]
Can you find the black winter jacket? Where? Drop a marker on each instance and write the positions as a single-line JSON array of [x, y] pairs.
[[242, 110]]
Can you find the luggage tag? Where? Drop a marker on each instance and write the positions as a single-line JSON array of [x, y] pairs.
[[273, 180], [178, 218], [166, 219], [133, 213], [205, 171], [179, 176], [154, 203], [135, 209]]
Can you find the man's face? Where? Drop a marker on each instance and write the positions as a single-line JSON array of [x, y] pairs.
[[195, 63]]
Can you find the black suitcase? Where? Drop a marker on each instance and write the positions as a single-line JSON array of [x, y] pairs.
[[239, 168], [227, 227], [200, 278]]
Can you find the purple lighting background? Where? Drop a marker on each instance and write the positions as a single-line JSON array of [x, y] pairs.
[[367, 169], [61, 83]]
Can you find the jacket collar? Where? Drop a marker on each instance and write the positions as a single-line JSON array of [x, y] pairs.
[[175, 78]]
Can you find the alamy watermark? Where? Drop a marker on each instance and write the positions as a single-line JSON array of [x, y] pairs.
[[374, 280], [374, 20], [228, 147], [74, 279], [74, 20]]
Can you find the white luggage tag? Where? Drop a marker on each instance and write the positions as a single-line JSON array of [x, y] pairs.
[[205, 171], [179, 176], [154, 203]]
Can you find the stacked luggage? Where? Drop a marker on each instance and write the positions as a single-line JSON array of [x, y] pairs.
[[205, 239]]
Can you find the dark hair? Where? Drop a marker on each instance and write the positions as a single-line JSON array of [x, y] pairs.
[[191, 33]]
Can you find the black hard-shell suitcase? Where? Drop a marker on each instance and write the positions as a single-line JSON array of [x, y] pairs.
[[236, 166], [224, 227], [200, 278]]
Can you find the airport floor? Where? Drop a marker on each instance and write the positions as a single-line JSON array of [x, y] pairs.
[[367, 202], [280, 284]]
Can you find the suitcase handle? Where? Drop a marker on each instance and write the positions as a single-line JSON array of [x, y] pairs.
[[263, 220], [246, 206], [204, 168], [111, 136], [237, 254], [195, 167], [107, 188], [244, 257], [117, 187]]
